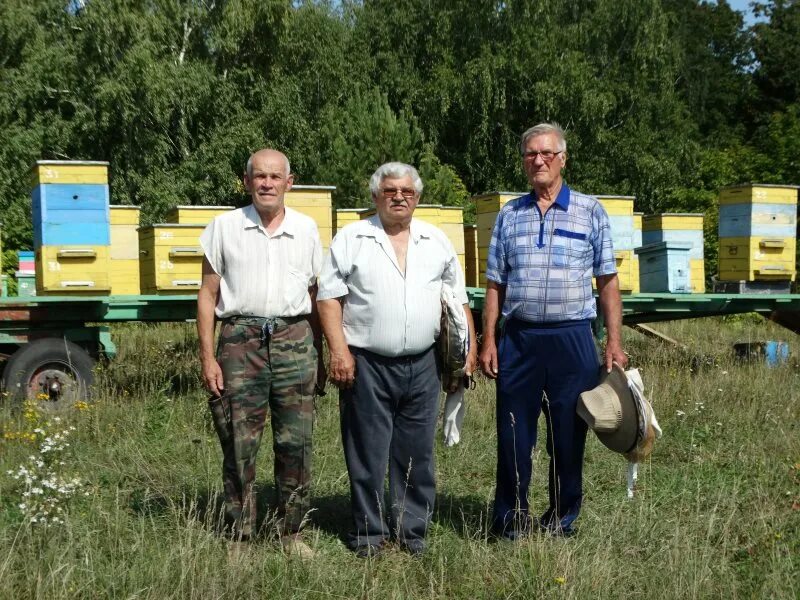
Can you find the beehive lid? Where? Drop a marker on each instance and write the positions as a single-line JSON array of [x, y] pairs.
[[661, 246]]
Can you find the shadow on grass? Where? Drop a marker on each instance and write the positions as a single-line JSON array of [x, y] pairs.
[[468, 516], [331, 514]]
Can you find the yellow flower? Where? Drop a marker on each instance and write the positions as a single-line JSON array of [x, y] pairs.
[[560, 580], [42, 396]]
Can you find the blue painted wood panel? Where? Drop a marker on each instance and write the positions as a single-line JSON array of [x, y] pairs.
[[691, 236], [70, 234], [758, 219], [664, 267], [70, 197]]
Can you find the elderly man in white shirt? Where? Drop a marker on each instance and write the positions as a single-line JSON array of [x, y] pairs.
[[380, 306], [259, 280]]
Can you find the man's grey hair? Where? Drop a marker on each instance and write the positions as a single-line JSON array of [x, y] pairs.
[[394, 170], [544, 129], [249, 166]]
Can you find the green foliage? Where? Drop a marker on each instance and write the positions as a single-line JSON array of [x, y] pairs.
[[662, 99]]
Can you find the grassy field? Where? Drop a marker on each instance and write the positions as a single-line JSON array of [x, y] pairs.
[[716, 515]]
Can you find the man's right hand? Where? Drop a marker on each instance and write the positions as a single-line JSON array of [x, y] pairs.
[[212, 377], [488, 359], [342, 370]]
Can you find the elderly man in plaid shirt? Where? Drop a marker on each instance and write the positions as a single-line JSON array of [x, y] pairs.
[[546, 246]]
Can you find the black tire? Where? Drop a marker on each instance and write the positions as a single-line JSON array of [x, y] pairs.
[[55, 367]]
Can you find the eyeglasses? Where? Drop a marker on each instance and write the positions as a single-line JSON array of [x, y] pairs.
[[392, 192], [547, 155]]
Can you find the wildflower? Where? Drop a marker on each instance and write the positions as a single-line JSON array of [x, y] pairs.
[[560, 580], [719, 389], [680, 413], [724, 372]]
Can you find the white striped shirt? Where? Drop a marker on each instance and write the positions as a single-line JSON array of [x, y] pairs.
[[262, 274], [385, 311]]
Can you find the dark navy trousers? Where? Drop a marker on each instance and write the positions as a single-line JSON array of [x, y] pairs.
[[561, 360], [388, 419]]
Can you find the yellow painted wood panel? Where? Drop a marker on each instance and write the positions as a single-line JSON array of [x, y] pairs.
[[451, 215], [124, 215], [758, 248], [72, 269], [493, 201], [195, 215], [617, 205], [69, 172], [684, 221], [322, 215], [455, 233], [124, 242], [302, 196], [345, 216], [748, 194], [697, 275]]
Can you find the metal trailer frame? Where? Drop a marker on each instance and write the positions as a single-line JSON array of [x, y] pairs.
[[51, 342]]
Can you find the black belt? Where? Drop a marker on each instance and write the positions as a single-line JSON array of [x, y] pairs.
[[268, 325]]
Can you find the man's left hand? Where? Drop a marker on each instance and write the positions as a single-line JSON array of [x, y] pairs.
[[472, 363], [322, 376], [614, 353]]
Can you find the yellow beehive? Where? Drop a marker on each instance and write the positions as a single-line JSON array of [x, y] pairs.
[[637, 242], [621, 206], [471, 255], [69, 171], [171, 258], [345, 216], [195, 215], [752, 258], [486, 208], [124, 277], [72, 270], [315, 201], [697, 275], [751, 193]]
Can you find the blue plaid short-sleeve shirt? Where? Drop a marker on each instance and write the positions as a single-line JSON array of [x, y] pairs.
[[546, 262]]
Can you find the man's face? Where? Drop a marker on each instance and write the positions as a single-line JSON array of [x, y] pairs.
[[540, 172], [269, 181], [396, 199]]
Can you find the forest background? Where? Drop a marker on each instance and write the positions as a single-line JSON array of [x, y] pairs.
[[666, 100]]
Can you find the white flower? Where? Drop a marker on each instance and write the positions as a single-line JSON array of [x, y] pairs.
[[22, 506], [724, 372], [680, 413], [719, 389]]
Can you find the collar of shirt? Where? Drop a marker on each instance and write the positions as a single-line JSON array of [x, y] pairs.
[[379, 233], [253, 219], [562, 198]]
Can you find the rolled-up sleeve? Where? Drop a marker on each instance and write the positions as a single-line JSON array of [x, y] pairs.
[[604, 262], [211, 243], [496, 266], [333, 277], [453, 275], [316, 256]]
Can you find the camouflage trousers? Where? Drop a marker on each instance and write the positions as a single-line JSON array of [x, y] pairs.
[[267, 364]]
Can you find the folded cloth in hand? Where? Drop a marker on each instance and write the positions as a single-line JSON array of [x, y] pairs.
[[453, 416]]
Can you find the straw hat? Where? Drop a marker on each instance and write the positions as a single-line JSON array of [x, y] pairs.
[[611, 411]]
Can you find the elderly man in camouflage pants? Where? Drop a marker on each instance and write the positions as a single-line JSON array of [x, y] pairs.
[[259, 280]]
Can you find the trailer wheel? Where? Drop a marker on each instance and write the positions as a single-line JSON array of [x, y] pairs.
[[55, 371]]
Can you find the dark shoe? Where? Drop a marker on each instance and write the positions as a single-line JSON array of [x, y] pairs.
[[415, 548], [563, 527], [515, 530], [369, 550]]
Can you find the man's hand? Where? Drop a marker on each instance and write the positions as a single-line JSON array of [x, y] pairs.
[[212, 377], [488, 359], [472, 362], [614, 353], [343, 369]]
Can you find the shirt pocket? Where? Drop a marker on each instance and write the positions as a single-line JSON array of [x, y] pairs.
[[296, 288], [569, 248]]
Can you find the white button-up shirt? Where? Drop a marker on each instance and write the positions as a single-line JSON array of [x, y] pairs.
[[263, 274], [387, 311]]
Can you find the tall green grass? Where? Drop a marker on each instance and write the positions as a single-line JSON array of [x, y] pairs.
[[715, 513]]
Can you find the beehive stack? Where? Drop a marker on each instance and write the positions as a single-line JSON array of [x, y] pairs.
[[71, 233], [315, 201], [487, 206], [345, 216], [620, 214], [757, 233], [124, 254], [171, 258], [637, 243], [680, 227], [471, 263], [664, 267], [26, 273]]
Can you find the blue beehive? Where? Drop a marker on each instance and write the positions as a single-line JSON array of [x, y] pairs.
[[664, 267], [69, 214]]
